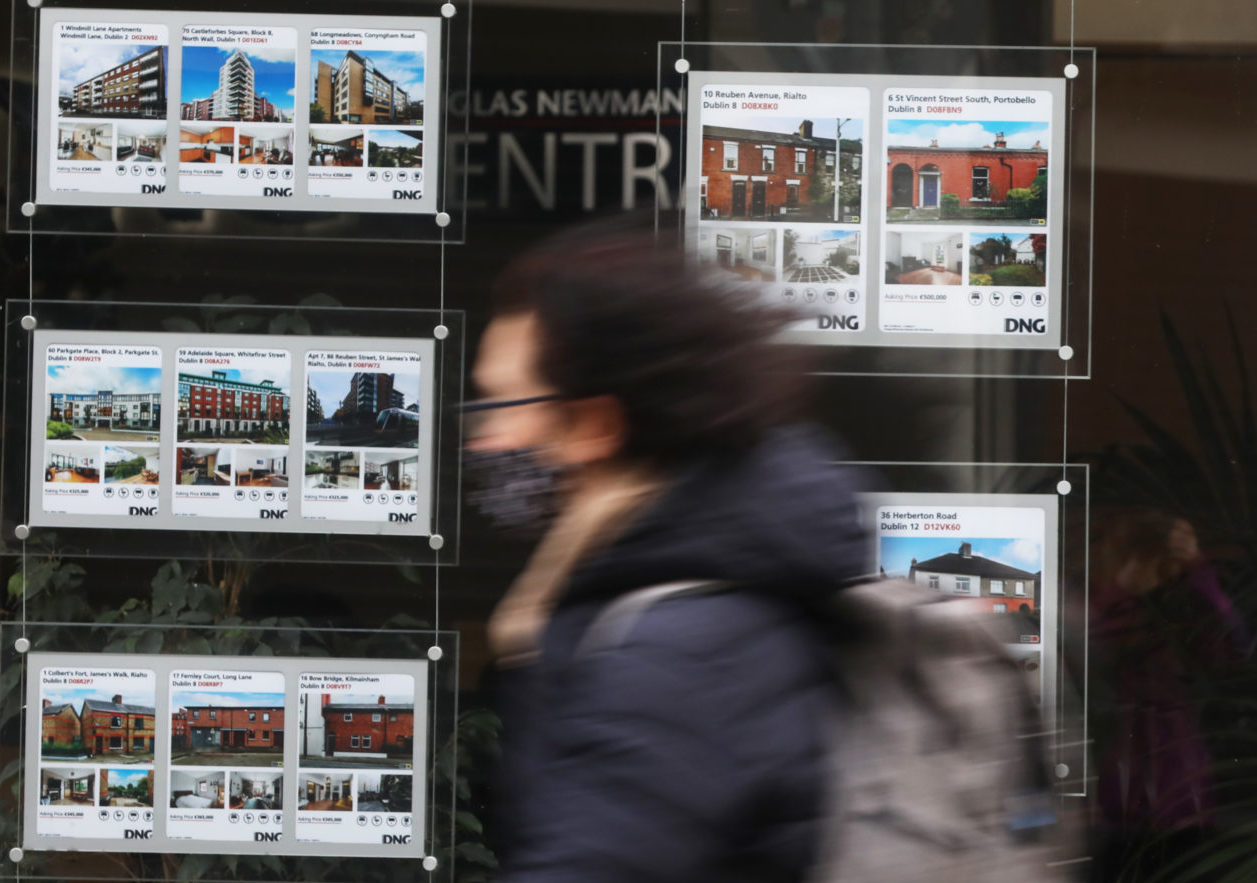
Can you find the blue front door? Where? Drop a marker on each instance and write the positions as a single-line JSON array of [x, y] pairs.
[[929, 188]]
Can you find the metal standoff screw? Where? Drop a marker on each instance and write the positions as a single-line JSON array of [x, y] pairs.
[[34, 4], [436, 542], [21, 531], [21, 645], [29, 322], [28, 208], [429, 862], [442, 219], [1063, 487], [1062, 770], [435, 653], [682, 65], [440, 332], [16, 854], [448, 10], [1066, 353], [1071, 71]]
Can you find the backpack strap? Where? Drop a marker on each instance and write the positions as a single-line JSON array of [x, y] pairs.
[[614, 622]]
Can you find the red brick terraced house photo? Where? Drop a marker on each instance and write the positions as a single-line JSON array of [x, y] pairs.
[[753, 174], [380, 728], [117, 727], [61, 727], [215, 728]]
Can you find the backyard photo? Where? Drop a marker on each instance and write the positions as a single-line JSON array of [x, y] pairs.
[[811, 255], [1007, 259]]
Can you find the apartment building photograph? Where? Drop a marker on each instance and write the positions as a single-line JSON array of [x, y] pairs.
[[972, 171], [395, 148], [778, 168], [113, 80], [140, 142], [265, 145], [232, 84], [245, 404], [362, 409], [85, 142], [366, 87], [120, 404], [336, 147], [207, 143]]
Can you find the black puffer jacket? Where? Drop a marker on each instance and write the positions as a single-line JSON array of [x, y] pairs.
[[691, 751]]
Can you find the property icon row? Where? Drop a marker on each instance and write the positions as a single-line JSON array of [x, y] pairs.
[[395, 499], [1016, 299], [811, 295]]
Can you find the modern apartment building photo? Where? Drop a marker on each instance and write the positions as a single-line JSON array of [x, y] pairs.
[[238, 404], [237, 85], [103, 403], [366, 87], [362, 409], [85, 142], [113, 80]]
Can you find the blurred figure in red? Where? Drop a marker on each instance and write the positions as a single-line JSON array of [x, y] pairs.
[[691, 748]]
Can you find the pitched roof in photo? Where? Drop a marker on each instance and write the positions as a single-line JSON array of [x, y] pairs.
[[964, 563], [117, 706]]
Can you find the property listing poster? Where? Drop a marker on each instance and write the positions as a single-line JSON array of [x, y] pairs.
[[966, 238], [108, 107], [226, 765], [237, 99], [361, 436], [356, 762], [97, 738], [782, 193], [232, 432], [998, 555], [366, 114], [102, 422]]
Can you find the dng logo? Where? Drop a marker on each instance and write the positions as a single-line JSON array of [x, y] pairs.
[[277, 191], [401, 516], [135, 834], [272, 513], [142, 510], [407, 194], [839, 323], [266, 835], [396, 838], [1025, 326], [153, 188]]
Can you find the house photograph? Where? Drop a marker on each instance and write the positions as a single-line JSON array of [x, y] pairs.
[[359, 730], [131, 465], [812, 255], [222, 727], [385, 792], [238, 404], [331, 470], [205, 143], [377, 87], [390, 474], [362, 409], [207, 466], [112, 79], [260, 468], [782, 168], [256, 790], [395, 148], [1012, 258], [140, 142], [66, 786], [265, 145], [923, 258], [117, 727], [336, 147], [103, 402], [332, 792], [122, 787], [750, 254], [971, 171], [85, 142], [231, 83], [71, 464], [194, 789]]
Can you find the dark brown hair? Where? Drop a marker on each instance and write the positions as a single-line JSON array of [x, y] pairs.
[[690, 355]]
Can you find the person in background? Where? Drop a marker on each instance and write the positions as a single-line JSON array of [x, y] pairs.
[[690, 749]]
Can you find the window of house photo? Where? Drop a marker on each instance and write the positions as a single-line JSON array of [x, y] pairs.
[[702, 193], [115, 721], [731, 155], [213, 714], [348, 716], [115, 742], [800, 160], [366, 741], [253, 715], [266, 715], [759, 247], [376, 718], [997, 587], [1020, 588], [962, 585], [999, 608], [769, 155], [981, 182], [353, 741]]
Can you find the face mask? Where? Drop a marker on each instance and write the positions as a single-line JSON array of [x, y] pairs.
[[514, 490]]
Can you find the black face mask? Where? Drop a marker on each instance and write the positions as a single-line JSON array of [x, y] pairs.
[[515, 490]]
